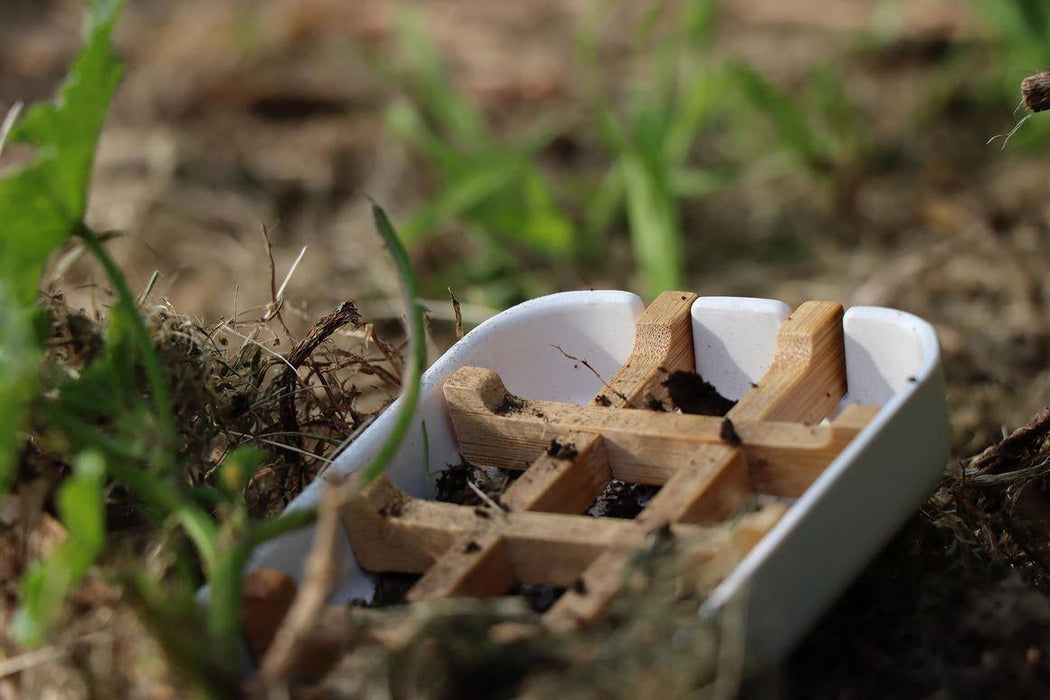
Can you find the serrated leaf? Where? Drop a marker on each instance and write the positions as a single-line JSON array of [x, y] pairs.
[[42, 203]]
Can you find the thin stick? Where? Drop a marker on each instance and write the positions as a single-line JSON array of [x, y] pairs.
[[291, 271], [273, 309], [587, 364], [318, 576], [484, 497], [1012, 132], [149, 287], [458, 312], [228, 328], [282, 445]]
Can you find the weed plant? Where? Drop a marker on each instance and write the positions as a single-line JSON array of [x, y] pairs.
[[115, 418]]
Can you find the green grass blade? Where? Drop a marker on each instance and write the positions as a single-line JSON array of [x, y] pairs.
[[45, 586], [655, 230], [127, 312], [417, 351]]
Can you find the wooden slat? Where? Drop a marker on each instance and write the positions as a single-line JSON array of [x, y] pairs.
[[477, 565], [805, 381], [711, 486], [389, 531], [497, 429], [591, 595], [602, 580], [663, 343], [556, 484]]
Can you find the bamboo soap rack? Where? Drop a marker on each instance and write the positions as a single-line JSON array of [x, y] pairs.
[[838, 432], [709, 467]]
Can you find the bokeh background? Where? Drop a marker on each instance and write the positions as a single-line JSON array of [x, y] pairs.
[[828, 149], [831, 149]]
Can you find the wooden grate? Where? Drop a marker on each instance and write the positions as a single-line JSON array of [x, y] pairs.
[[771, 442]]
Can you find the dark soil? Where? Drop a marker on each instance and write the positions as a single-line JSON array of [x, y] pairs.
[[560, 450], [622, 500], [928, 617], [691, 394], [391, 589]]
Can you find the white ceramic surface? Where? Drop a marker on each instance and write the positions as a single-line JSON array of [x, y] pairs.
[[826, 537]]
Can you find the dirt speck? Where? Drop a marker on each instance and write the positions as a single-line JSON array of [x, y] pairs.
[[727, 433], [654, 404], [661, 534], [509, 404], [392, 510], [560, 450]]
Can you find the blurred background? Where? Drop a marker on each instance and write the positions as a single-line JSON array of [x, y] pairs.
[[815, 149]]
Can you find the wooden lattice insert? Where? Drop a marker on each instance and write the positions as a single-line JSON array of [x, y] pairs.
[[773, 441]]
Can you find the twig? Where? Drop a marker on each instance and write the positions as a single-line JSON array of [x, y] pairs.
[[291, 271], [484, 497], [149, 287], [587, 364], [346, 313], [36, 657], [437, 309], [458, 312], [281, 445], [318, 576], [1006, 477], [273, 309], [252, 341]]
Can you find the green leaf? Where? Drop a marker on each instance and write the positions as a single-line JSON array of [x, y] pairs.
[[42, 203], [81, 501]]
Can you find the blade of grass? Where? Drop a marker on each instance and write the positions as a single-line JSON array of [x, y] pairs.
[[413, 371], [45, 586], [162, 405]]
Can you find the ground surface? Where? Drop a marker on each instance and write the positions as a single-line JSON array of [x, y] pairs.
[[238, 114]]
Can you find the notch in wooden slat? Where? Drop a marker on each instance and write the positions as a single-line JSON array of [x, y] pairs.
[[807, 378], [663, 343]]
